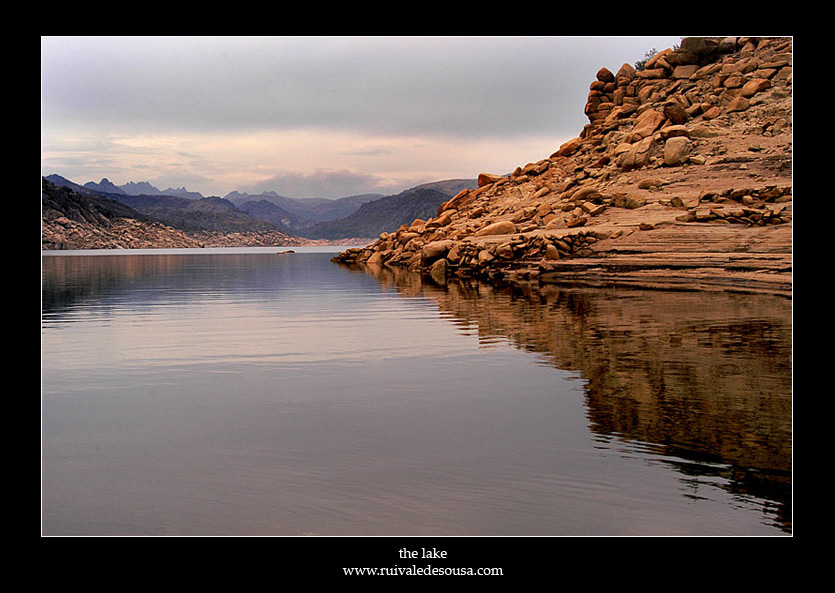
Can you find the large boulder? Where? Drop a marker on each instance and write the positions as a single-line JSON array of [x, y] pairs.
[[436, 249], [487, 179], [675, 112], [461, 199], [503, 227], [677, 150], [754, 86], [646, 124]]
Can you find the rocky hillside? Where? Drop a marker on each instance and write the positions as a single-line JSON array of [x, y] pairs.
[[82, 219], [74, 220], [190, 215], [364, 215], [298, 215], [377, 216], [274, 214], [268, 218], [681, 179]]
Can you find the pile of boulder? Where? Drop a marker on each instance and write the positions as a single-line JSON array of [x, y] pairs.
[[697, 141]]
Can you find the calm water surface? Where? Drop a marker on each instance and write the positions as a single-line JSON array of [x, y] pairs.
[[242, 392]]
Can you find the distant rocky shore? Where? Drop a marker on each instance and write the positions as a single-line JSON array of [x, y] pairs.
[[264, 239], [73, 220], [64, 233], [681, 179]]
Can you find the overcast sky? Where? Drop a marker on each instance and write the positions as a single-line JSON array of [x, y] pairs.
[[314, 116]]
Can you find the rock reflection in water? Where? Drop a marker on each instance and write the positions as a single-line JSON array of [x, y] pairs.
[[700, 381]]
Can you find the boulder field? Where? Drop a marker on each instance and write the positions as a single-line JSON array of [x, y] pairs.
[[681, 179]]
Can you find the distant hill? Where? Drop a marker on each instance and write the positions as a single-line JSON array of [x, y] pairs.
[[59, 181], [205, 214], [73, 219], [387, 214], [274, 214], [185, 213], [57, 200], [305, 210], [364, 215]]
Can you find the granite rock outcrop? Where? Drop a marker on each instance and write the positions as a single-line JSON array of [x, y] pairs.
[[682, 178]]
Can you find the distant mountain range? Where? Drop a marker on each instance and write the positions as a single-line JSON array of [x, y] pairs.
[[136, 189], [365, 215], [309, 209], [82, 206]]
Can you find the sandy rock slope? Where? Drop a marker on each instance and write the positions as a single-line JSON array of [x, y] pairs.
[[681, 179]]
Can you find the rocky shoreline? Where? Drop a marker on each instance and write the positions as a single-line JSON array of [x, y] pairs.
[[682, 179], [73, 220], [59, 233]]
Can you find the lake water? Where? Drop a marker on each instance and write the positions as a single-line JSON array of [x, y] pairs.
[[242, 392]]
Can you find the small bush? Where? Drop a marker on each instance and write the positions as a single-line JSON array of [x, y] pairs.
[[642, 64]]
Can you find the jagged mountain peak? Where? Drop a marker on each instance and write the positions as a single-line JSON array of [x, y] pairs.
[[104, 186]]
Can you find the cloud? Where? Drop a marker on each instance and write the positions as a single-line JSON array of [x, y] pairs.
[[450, 85], [366, 110], [323, 183]]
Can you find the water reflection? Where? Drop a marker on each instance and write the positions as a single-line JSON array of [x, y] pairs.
[[173, 277], [258, 394], [698, 381]]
